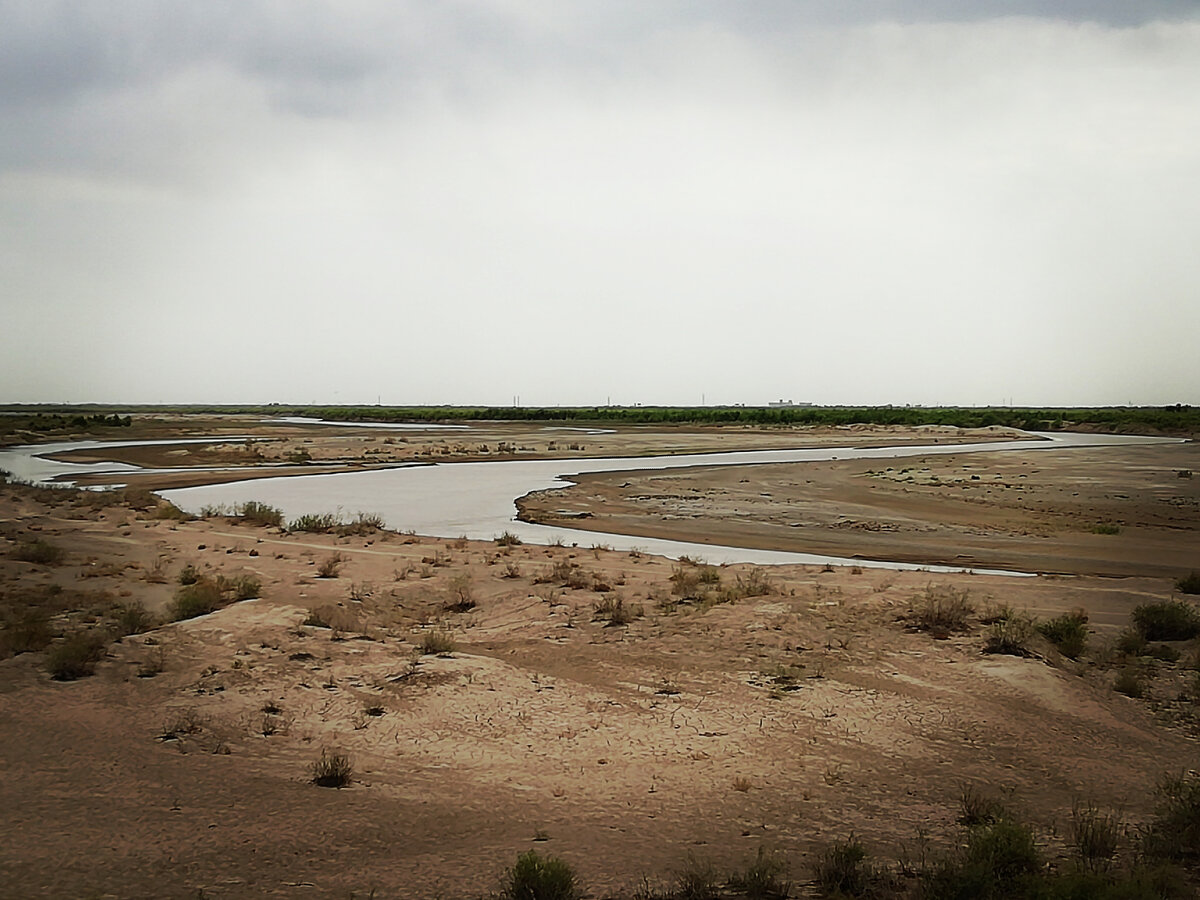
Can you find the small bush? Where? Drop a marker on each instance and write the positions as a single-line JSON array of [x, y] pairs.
[[189, 574], [697, 880], [332, 770], [763, 878], [1095, 835], [362, 523], [977, 807], [314, 523], [1130, 642], [76, 656], [536, 877], [26, 631], [1106, 528], [508, 539], [197, 599], [330, 566], [437, 643], [1068, 633], [1167, 620], [1189, 584], [243, 587], [615, 612], [1129, 682], [843, 870], [39, 551], [1011, 636], [941, 610], [133, 618], [462, 597], [255, 513], [1174, 834]]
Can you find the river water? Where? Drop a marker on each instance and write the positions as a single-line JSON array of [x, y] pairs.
[[477, 499]]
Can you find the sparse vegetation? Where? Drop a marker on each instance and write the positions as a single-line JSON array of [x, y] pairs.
[[462, 597], [1129, 682], [330, 566], [255, 513], [1096, 836], [1068, 632], [437, 643], [26, 630], [615, 612], [314, 523], [133, 618], [76, 655], [1167, 620], [842, 870], [1106, 528], [508, 539], [1011, 636], [332, 770], [197, 599], [536, 877], [941, 609], [39, 551], [1188, 584]]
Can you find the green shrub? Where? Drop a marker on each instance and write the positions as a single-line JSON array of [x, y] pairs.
[[133, 618], [508, 539], [1189, 584], [362, 523], [536, 877], [1000, 861], [1167, 620], [1107, 528], [197, 599], [76, 656], [26, 630], [189, 574], [332, 770], [256, 513], [615, 612], [314, 523], [697, 880], [1131, 642], [1095, 835], [39, 551], [1068, 632]]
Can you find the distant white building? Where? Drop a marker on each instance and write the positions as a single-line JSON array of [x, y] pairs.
[[774, 404]]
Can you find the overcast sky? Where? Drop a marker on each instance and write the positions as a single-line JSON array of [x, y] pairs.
[[845, 201]]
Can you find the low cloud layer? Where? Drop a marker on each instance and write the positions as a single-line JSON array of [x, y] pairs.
[[581, 203]]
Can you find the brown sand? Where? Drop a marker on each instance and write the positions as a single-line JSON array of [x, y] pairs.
[[784, 720]]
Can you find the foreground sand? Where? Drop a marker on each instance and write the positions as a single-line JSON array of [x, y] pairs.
[[786, 719]]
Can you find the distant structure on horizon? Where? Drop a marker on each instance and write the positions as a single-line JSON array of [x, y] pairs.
[[777, 404]]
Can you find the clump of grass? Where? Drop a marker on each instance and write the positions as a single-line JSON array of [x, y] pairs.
[[615, 612], [1010, 636], [462, 597], [1067, 632], [76, 655], [508, 539], [1188, 584], [763, 879], [39, 551], [1106, 528], [362, 523], [197, 599], [437, 643], [133, 618], [1174, 834], [26, 630], [314, 523], [330, 566], [1096, 836], [978, 807], [242, 587], [1130, 642], [189, 574], [254, 513], [940, 610], [536, 877], [842, 870], [1129, 682], [332, 770], [998, 860], [1167, 620], [697, 880]]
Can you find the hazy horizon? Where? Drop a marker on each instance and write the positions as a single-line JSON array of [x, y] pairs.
[[993, 202]]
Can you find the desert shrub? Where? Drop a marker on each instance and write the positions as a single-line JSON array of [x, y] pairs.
[[1106, 528], [256, 513], [26, 630], [754, 583], [696, 880], [508, 539], [1167, 620], [615, 612], [76, 655], [685, 582], [133, 618], [941, 609], [1189, 584], [330, 566], [197, 599], [536, 877], [763, 878], [332, 770], [1130, 642], [1095, 836], [461, 594], [189, 574], [999, 861], [243, 587], [39, 551], [978, 807], [362, 523], [1011, 636], [1067, 632], [1174, 833], [314, 523], [437, 643], [1129, 682], [842, 870]]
